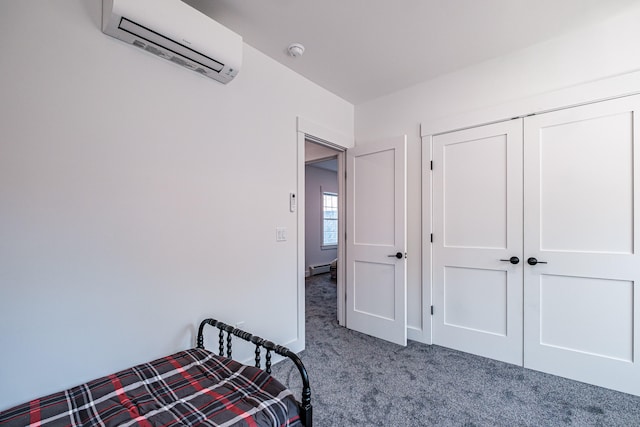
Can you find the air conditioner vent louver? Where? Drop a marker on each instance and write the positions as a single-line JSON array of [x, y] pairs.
[[154, 50], [179, 61], [173, 30]]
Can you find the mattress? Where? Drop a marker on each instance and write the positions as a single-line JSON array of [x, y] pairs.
[[190, 388]]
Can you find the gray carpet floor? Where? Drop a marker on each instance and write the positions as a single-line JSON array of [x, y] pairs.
[[358, 380]]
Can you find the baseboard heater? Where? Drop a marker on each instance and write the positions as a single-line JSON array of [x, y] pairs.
[[318, 269]]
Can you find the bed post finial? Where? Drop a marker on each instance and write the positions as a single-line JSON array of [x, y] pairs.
[[200, 339]]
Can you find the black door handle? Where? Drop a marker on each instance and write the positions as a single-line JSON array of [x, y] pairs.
[[533, 261], [513, 260], [396, 255]]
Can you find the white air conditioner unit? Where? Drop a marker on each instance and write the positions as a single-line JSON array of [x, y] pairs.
[[177, 32]]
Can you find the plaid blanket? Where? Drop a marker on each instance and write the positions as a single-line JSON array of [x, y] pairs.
[[189, 388]]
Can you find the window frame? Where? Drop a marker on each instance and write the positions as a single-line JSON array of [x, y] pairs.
[[323, 245]]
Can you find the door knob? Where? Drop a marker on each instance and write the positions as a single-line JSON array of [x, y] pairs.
[[533, 261], [513, 260], [396, 255]]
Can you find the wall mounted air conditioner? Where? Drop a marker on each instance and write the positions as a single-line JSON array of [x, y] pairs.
[[177, 32]]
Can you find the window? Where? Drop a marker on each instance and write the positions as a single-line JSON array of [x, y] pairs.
[[329, 220]]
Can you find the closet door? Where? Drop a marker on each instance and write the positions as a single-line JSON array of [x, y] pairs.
[[581, 225], [477, 225]]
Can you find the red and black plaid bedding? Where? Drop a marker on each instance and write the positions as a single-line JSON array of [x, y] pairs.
[[190, 388]]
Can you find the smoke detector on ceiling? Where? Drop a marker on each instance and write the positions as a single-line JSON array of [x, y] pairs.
[[295, 49]]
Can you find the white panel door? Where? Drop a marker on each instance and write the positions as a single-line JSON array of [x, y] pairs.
[[477, 230], [376, 233], [581, 225]]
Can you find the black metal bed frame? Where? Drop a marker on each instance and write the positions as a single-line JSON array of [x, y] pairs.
[[305, 404]]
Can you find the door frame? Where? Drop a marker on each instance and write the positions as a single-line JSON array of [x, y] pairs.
[[319, 134], [427, 239]]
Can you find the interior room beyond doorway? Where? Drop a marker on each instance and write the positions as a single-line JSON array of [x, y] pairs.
[[322, 198]]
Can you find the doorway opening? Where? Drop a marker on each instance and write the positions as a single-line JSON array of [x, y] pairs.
[[324, 215]]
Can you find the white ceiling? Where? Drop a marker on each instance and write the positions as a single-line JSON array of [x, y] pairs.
[[330, 165], [364, 49]]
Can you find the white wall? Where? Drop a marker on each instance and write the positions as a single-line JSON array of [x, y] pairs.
[[608, 49], [317, 181], [136, 199]]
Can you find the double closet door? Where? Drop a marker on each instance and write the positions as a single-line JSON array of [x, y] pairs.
[[535, 256]]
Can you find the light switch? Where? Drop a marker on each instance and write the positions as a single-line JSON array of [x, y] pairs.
[[281, 234]]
